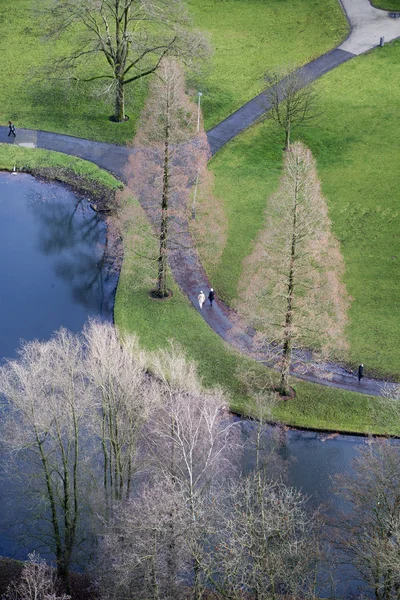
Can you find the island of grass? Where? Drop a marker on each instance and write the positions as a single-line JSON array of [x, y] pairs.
[[248, 37]]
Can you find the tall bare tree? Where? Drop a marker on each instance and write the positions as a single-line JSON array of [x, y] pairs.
[[76, 408], [266, 543], [369, 530], [126, 397], [291, 288], [291, 99], [169, 154], [45, 425], [132, 36], [190, 443], [159, 537]]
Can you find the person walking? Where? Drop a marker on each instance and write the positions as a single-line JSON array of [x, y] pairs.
[[11, 128], [211, 296], [360, 372], [201, 299]]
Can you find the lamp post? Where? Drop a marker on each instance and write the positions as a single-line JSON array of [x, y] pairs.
[[199, 95]]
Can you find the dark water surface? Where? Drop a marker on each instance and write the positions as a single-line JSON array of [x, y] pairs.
[[52, 261], [53, 273]]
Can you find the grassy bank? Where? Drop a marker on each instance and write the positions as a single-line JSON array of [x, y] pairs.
[[357, 151], [80, 174], [248, 36], [157, 322]]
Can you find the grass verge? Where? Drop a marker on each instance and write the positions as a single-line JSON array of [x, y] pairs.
[[357, 152], [156, 322]]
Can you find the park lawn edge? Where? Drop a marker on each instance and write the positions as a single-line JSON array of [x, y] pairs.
[[81, 175], [156, 323]]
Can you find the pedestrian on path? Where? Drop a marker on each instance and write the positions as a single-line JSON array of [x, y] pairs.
[[211, 296], [11, 128], [360, 372], [201, 298]]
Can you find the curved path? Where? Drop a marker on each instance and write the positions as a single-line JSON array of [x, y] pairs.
[[367, 26]]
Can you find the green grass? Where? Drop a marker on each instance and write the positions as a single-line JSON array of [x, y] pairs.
[[55, 165], [251, 36], [357, 151], [387, 4], [248, 37], [156, 322], [246, 173]]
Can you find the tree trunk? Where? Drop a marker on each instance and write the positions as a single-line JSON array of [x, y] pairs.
[[162, 291], [287, 334], [287, 136], [119, 115]]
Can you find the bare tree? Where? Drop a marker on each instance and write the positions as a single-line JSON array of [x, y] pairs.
[[135, 550], [266, 543], [45, 423], [71, 402], [168, 157], [291, 99], [127, 396], [190, 442], [132, 36], [37, 582], [291, 289], [157, 541], [369, 530]]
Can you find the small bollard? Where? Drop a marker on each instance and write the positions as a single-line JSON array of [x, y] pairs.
[[382, 42]]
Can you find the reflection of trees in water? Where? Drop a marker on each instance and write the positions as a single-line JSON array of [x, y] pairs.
[[74, 234]]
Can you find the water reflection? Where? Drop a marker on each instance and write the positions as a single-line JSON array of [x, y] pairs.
[[53, 266]]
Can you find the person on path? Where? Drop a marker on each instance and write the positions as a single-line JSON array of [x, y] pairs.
[[360, 372], [211, 296], [11, 128], [201, 298]]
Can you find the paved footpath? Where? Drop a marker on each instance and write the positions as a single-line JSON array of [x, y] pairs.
[[367, 26]]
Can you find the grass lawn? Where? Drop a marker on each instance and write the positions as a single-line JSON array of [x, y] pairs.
[[156, 322], [387, 4], [357, 151], [248, 37]]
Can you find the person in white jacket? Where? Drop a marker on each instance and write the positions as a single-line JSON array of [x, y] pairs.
[[201, 298]]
